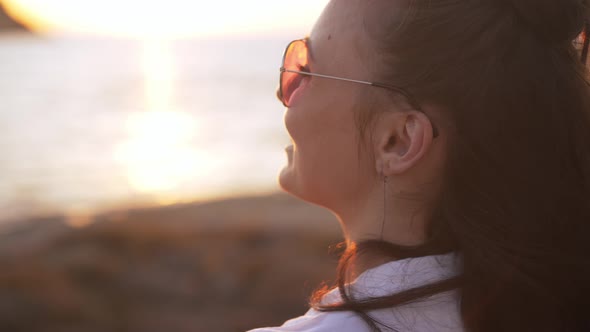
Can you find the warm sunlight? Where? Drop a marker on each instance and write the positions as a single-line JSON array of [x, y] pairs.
[[173, 18], [158, 154], [158, 69]]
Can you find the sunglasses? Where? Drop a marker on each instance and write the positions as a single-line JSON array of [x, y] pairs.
[[295, 68]]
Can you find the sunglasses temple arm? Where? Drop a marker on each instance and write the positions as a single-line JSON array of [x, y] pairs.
[[389, 87], [325, 76]]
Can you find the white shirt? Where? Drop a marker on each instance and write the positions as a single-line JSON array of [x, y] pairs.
[[437, 313]]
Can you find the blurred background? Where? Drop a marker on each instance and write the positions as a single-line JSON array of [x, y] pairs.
[[140, 144]]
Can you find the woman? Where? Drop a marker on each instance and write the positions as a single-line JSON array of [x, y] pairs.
[[452, 141]]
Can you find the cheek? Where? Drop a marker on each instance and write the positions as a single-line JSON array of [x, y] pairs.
[[299, 124], [298, 90], [325, 156], [328, 171]]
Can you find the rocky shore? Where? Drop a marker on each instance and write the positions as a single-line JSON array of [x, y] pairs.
[[223, 266]]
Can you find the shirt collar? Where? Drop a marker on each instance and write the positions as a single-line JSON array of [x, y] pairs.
[[396, 276]]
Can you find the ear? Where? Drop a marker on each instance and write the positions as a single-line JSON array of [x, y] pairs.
[[403, 138]]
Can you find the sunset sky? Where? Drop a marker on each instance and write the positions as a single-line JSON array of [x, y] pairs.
[[171, 18]]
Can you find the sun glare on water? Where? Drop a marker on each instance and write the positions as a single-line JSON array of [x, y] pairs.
[[159, 154], [162, 152]]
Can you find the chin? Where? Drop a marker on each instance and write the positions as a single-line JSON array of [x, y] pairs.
[[286, 180], [290, 184]]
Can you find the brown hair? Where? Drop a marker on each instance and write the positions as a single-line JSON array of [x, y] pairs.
[[516, 195]]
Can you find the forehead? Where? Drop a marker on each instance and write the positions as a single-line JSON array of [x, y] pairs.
[[342, 35], [338, 34], [339, 16]]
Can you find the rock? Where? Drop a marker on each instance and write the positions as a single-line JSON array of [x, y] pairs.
[[157, 270]]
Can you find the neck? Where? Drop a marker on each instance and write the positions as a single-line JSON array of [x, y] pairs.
[[401, 221]]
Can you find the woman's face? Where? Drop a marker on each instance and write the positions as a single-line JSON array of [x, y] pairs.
[[324, 165]]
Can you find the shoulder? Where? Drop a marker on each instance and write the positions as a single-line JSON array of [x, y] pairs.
[[436, 314], [315, 321]]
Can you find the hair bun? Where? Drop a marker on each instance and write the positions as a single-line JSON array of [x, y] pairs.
[[556, 21]]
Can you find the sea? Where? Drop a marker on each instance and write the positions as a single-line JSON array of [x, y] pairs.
[[92, 124]]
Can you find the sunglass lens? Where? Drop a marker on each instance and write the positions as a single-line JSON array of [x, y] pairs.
[[295, 59]]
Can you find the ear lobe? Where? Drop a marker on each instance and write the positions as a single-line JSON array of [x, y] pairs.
[[407, 145]]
